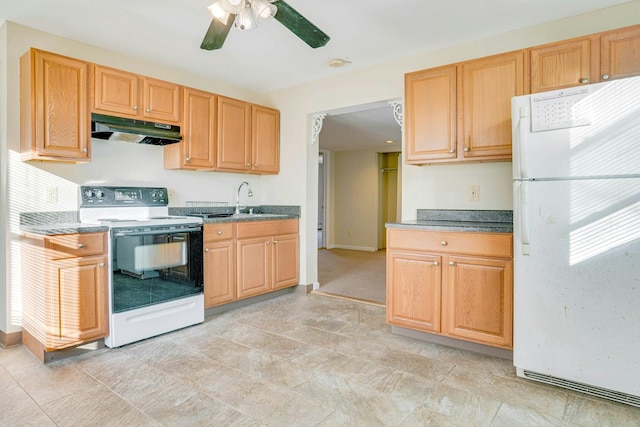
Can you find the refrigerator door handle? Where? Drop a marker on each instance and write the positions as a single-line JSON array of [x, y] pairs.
[[524, 219], [523, 131]]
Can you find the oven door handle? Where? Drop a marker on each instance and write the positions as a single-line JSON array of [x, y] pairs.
[[159, 231]]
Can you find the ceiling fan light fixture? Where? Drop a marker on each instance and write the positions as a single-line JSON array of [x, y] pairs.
[[233, 7], [219, 12], [245, 20], [338, 62], [263, 9]]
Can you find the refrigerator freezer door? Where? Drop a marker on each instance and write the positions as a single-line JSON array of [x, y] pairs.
[[601, 140], [576, 292]]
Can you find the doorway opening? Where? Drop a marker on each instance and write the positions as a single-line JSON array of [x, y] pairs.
[[358, 193]]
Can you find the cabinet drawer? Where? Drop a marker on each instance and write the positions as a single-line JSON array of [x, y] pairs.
[[76, 245], [217, 232], [266, 228], [471, 243]]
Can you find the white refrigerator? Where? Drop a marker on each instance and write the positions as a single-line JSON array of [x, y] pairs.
[[576, 188]]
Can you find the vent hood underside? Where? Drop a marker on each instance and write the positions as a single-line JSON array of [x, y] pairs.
[[132, 130]]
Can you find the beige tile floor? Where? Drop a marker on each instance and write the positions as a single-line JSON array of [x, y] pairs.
[[303, 360]]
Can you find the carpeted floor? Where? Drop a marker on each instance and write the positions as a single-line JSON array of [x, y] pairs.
[[353, 274]]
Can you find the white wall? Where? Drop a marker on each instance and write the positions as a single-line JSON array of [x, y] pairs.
[[297, 182], [355, 209]]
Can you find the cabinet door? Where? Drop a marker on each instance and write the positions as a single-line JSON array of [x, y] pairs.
[[478, 297], [566, 64], [197, 148], [413, 290], [115, 91], [620, 53], [285, 261], [161, 101], [54, 107], [253, 266], [80, 312], [265, 139], [234, 135], [487, 86], [219, 273], [430, 115]]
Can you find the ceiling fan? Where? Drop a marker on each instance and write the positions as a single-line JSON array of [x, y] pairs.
[[245, 14]]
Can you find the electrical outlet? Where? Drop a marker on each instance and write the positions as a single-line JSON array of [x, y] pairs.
[[170, 194], [473, 193], [51, 194]]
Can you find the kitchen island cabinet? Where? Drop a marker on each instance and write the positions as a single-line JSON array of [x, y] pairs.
[[130, 95], [64, 285], [456, 284], [462, 112], [54, 108]]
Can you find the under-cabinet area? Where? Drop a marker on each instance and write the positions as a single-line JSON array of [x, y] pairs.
[[452, 283]]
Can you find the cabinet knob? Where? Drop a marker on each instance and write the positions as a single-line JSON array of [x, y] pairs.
[[84, 150], [247, 164], [436, 263], [219, 232], [452, 263], [255, 165], [275, 242], [443, 243], [188, 159], [466, 149], [206, 249], [80, 246], [135, 107], [453, 150], [267, 243], [148, 110], [101, 264], [605, 77], [584, 81]]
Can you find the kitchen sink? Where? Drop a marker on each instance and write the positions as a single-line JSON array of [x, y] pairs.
[[210, 214], [256, 215], [207, 215]]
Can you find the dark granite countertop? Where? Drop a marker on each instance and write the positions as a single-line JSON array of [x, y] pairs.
[[459, 220], [62, 228]]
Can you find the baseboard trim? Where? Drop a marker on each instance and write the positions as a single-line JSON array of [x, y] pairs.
[[452, 342], [10, 339], [355, 248], [362, 300], [305, 289]]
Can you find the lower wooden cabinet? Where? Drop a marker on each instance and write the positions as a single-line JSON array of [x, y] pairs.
[[219, 264], [246, 259], [64, 283], [267, 256], [457, 284]]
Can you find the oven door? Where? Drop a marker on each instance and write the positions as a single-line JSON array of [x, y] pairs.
[[153, 265]]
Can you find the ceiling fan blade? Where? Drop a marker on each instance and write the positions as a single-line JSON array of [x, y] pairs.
[[299, 25], [217, 34]]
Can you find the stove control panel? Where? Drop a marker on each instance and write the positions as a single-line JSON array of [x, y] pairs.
[[123, 196]]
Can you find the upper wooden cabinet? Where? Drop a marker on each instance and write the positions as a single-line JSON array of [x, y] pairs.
[[462, 112], [197, 150], [595, 58], [620, 53], [54, 108], [248, 137], [134, 96]]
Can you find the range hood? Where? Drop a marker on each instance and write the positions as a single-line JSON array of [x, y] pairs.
[[132, 130]]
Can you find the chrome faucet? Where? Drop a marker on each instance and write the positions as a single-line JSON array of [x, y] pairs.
[[249, 193]]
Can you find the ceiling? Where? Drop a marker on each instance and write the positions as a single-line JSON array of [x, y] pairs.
[[270, 57]]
